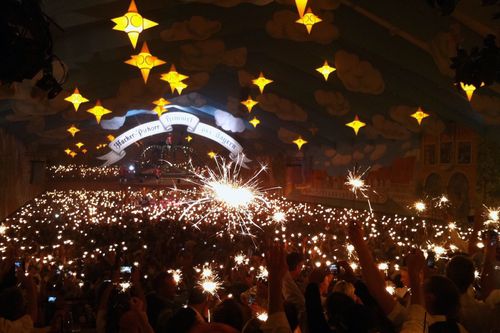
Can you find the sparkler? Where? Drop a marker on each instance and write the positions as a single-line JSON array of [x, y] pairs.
[[442, 201], [240, 259], [420, 206], [225, 196], [210, 284], [176, 275], [357, 184], [493, 217]]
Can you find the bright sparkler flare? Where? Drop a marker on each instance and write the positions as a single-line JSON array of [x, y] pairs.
[[420, 206], [240, 259], [442, 201], [357, 184], [279, 217], [2, 229], [262, 316], [176, 275], [227, 197], [493, 216]]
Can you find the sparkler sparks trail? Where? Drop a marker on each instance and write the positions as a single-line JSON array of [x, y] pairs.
[[225, 196], [209, 281], [493, 217], [357, 184], [420, 206], [442, 201]]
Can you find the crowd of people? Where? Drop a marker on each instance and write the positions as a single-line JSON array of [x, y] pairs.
[[133, 261]]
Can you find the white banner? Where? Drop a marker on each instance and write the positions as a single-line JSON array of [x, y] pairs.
[[164, 125]]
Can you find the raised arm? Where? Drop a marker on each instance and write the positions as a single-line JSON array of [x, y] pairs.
[[371, 275], [488, 272]]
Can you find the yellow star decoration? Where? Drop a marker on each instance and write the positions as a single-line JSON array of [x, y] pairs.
[[68, 151], [189, 138], [84, 151], [110, 137], [249, 103], [419, 115], [469, 89], [79, 145], [76, 99], [356, 124], [132, 23], [98, 111], [175, 79], [211, 154], [144, 61], [72, 154], [73, 130], [160, 106], [261, 82], [299, 142], [326, 70], [254, 122], [301, 6], [309, 19]]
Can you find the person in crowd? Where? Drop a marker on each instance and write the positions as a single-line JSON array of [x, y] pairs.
[[161, 301], [199, 302], [481, 316], [291, 291]]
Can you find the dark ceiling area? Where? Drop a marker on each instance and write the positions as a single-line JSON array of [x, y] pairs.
[[391, 57]]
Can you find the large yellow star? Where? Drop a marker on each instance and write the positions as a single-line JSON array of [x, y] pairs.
[[301, 6], [356, 124], [132, 23], [299, 142], [254, 122], [76, 99], [189, 138], [79, 144], [261, 82], [144, 61], [326, 70], [212, 154], [160, 106], [249, 103], [67, 151], [309, 19], [175, 79], [179, 87], [419, 115], [469, 89], [72, 154], [98, 111], [73, 130]]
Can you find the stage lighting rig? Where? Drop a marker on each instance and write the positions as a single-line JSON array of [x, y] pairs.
[[26, 44]]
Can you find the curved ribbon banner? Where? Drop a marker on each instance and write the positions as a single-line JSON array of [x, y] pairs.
[[164, 125]]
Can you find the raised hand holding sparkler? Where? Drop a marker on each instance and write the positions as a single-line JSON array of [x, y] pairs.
[[357, 185]]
